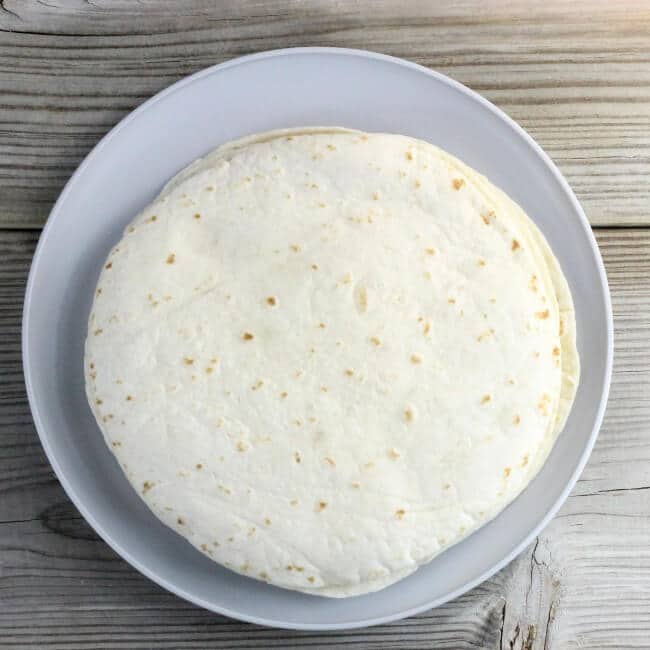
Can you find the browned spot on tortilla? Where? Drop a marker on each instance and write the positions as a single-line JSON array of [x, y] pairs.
[[556, 351], [247, 336], [543, 315], [515, 245], [485, 399], [524, 461], [400, 514], [458, 183], [171, 258], [272, 300], [516, 420], [507, 471], [188, 361]]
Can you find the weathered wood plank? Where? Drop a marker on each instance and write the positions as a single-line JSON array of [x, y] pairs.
[[583, 584], [69, 70]]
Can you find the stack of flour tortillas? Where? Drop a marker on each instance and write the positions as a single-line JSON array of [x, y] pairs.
[[324, 356]]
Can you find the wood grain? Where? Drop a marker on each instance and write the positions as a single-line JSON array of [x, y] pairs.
[[583, 583], [576, 75]]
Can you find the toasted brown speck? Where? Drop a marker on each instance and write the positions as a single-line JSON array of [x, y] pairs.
[[394, 454], [556, 351], [257, 385], [418, 184], [533, 283], [247, 336], [355, 484], [409, 415], [349, 372], [116, 443], [297, 457], [507, 471], [283, 394], [330, 461], [375, 340], [516, 420], [272, 300], [430, 251], [458, 183], [109, 265], [171, 258], [180, 521], [451, 301], [188, 361], [314, 267], [400, 514], [129, 398], [321, 506], [543, 315], [295, 248], [99, 402], [199, 466], [409, 155], [375, 196], [311, 579], [242, 446], [524, 461], [485, 399], [515, 245], [481, 261], [416, 358], [209, 370], [197, 216]]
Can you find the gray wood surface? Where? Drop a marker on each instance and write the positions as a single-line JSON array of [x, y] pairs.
[[575, 74]]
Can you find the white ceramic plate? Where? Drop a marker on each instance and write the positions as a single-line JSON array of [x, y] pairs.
[[286, 88]]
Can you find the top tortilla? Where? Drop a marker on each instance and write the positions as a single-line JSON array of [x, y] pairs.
[[324, 356]]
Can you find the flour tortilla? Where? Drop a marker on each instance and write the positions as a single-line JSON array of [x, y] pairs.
[[324, 356]]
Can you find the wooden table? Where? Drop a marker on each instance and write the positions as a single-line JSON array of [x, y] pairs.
[[575, 74]]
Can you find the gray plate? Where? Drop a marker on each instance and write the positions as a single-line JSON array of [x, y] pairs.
[[286, 88]]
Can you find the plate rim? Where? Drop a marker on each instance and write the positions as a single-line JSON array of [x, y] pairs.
[[175, 589]]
